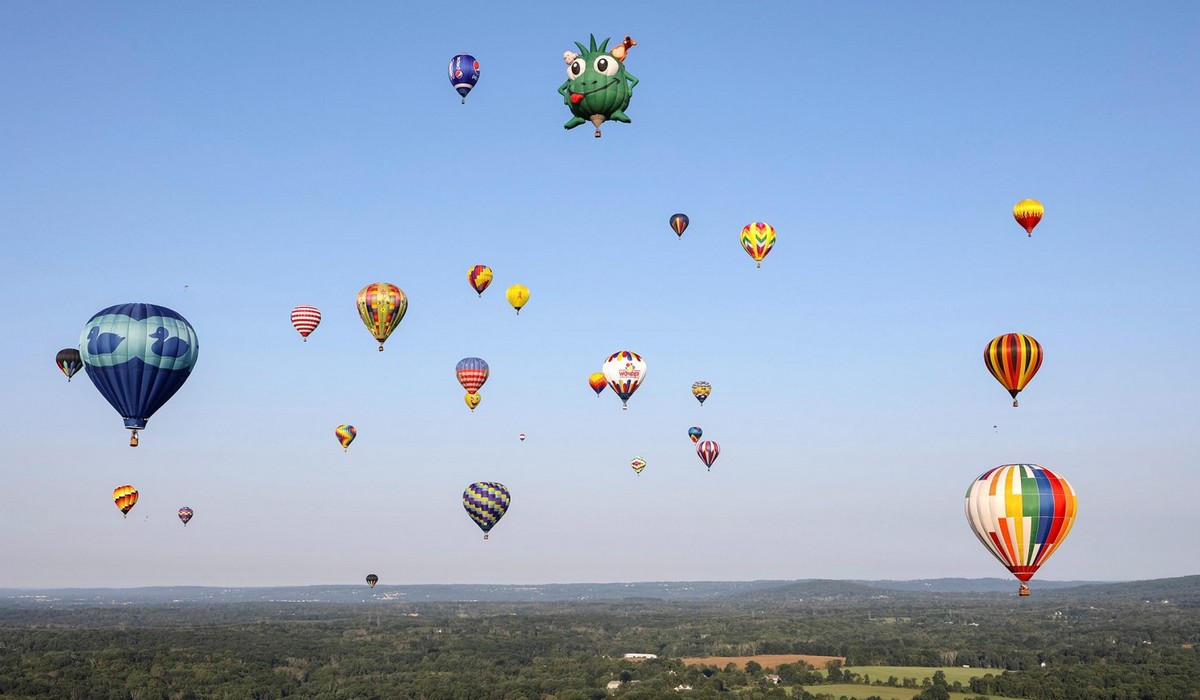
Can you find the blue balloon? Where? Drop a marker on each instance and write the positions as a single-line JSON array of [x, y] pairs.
[[138, 356], [464, 73]]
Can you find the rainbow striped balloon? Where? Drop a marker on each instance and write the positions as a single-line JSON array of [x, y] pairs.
[[758, 239], [345, 435], [1021, 513], [486, 502], [305, 320], [381, 306], [679, 224], [1013, 359], [125, 497]]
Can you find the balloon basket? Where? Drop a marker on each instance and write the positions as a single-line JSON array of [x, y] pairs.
[[133, 439], [485, 536], [758, 265], [1014, 403], [381, 347]]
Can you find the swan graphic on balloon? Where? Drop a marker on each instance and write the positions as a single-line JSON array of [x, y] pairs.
[[138, 356]]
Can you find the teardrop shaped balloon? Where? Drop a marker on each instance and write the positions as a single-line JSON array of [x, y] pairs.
[[345, 435], [472, 373], [518, 296], [125, 497], [486, 502], [679, 224], [473, 400], [624, 371], [138, 356], [464, 73], [69, 361], [638, 464], [521, 437], [758, 239], [381, 306], [695, 433], [1021, 513], [372, 579], [1028, 212], [305, 320], [185, 515], [1013, 359], [597, 382], [479, 278], [701, 390], [708, 451]]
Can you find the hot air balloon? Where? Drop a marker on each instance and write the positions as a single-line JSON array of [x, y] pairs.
[[345, 435], [125, 497], [479, 277], [1028, 212], [381, 306], [1021, 513], [701, 390], [185, 515], [486, 502], [464, 73], [708, 451], [758, 238], [1013, 359], [679, 224], [372, 579], [638, 464], [518, 296], [473, 400], [305, 320], [598, 87], [472, 372], [69, 361], [695, 433], [138, 356], [521, 437], [624, 371], [597, 382]]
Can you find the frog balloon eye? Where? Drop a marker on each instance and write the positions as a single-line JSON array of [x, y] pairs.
[[607, 65], [576, 69]]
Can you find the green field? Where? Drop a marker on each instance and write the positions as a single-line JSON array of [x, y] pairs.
[[953, 673], [858, 690]]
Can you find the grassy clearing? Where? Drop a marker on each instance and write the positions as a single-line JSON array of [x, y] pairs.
[[766, 660], [953, 673], [858, 690]]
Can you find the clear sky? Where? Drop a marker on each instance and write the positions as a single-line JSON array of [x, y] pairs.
[[233, 160]]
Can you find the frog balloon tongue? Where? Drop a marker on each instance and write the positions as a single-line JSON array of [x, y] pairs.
[[598, 87]]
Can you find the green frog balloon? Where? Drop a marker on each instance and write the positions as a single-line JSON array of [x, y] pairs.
[[598, 87]]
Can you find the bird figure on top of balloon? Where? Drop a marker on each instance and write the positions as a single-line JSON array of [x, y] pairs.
[[598, 87]]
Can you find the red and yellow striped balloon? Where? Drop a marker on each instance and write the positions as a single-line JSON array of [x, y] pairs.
[[125, 497], [1013, 359]]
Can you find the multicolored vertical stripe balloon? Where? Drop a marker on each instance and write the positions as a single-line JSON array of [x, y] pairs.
[[708, 452], [381, 307], [69, 361], [1013, 359], [479, 278], [758, 239], [345, 435], [305, 320], [1028, 213], [185, 515], [624, 371], [679, 224], [1021, 513], [125, 497], [486, 502], [472, 372]]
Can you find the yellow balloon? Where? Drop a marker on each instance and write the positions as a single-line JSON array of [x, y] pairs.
[[518, 295], [472, 400]]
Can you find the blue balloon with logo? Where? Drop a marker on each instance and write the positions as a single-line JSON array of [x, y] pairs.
[[138, 356], [464, 73]]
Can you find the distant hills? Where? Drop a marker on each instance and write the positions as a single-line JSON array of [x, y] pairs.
[[1183, 591]]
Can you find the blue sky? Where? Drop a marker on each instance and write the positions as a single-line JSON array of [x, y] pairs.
[[231, 161]]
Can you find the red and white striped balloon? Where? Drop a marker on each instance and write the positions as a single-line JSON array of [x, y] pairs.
[[306, 319], [708, 451]]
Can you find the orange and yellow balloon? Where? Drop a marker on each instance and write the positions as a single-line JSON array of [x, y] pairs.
[[1028, 212], [479, 277], [758, 239], [381, 307], [597, 382], [518, 296], [125, 497], [1013, 359]]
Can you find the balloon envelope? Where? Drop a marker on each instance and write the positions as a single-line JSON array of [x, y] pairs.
[[597, 382], [1021, 513], [185, 515], [624, 371], [479, 277], [372, 579], [464, 73], [757, 239], [486, 502], [305, 320], [695, 434], [701, 390], [708, 452], [1028, 212], [521, 437], [345, 435], [1013, 359], [473, 400], [679, 224], [472, 373], [638, 464], [69, 361], [138, 356], [381, 306], [125, 497], [518, 296]]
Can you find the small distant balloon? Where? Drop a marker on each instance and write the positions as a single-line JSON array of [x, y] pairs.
[[473, 400], [464, 73], [695, 433], [518, 296], [345, 435], [597, 382], [1028, 212], [708, 452], [125, 497], [521, 437], [638, 464], [372, 579], [758, 239], [486, 502], [305, 320], [185, 515], [701, 390], [479, 278], [69, 362], [679, 224]]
